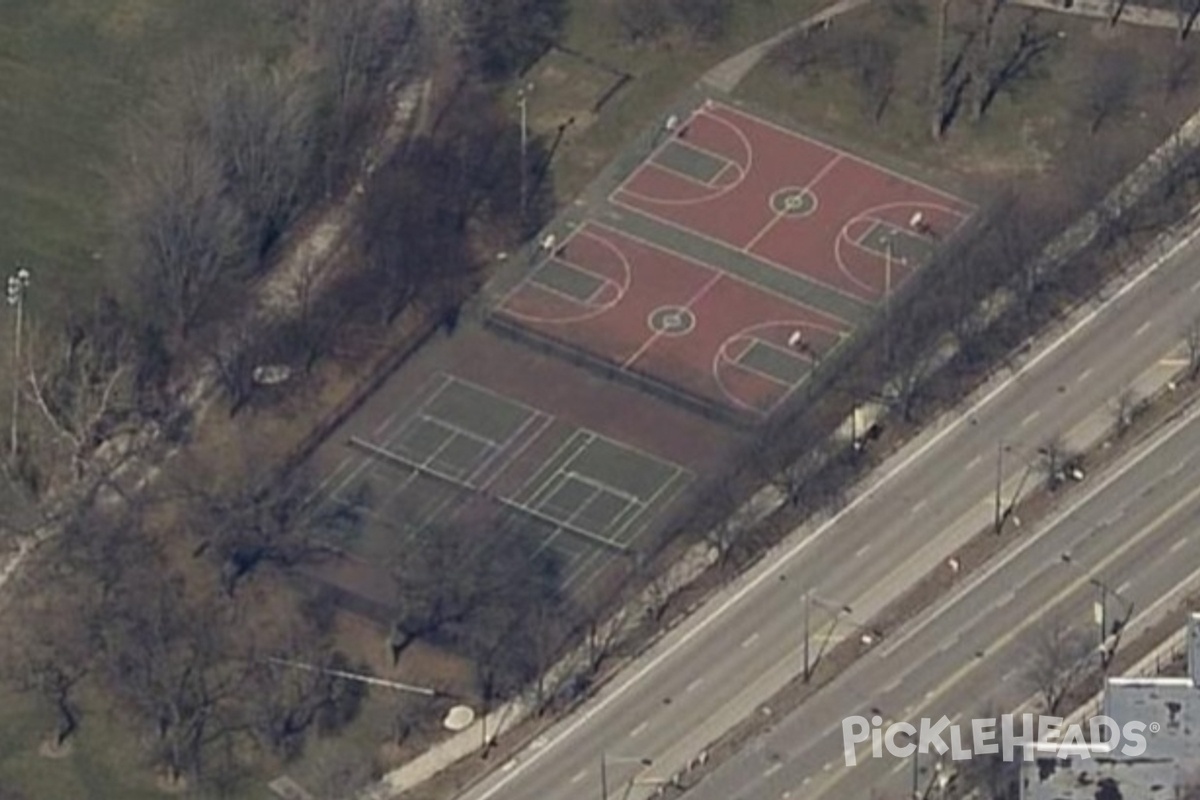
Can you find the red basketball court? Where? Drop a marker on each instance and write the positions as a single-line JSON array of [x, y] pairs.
[[741, 255]]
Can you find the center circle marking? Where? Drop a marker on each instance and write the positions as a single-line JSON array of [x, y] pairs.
[[793, 201], [672, 320]]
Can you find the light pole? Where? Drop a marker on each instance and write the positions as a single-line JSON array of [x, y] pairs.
[[605, 761], [18, 284], [523, 103], [887, 299], [1101, 613], [838, 613]]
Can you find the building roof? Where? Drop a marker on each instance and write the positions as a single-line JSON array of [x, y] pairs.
[[1170, 709]]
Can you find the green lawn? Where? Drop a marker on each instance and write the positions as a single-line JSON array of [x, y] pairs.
[[70, 71], [104, 762]]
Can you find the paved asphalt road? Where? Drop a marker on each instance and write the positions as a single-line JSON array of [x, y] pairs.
[[1135, 531], [726, 659]]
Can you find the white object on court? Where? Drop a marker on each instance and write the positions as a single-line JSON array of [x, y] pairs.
[[548, 242], [916, 220], [672, 122], [795, 339]]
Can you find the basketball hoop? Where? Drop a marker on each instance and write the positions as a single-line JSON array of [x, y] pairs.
[[917, 219], [796, 339]]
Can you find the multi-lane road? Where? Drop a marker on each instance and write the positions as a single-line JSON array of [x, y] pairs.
[[728, 658], [1135, 531]]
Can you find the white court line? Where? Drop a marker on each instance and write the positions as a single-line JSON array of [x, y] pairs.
[[780, 561]]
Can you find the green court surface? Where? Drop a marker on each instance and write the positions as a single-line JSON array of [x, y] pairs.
[[695, 164], [588, 502], [774, 362], [906, 248], [565, 279]]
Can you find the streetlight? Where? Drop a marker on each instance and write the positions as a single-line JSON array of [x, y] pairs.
[[838, 613], [523, 103], [605, 761], [18, 284], [1101, 612]]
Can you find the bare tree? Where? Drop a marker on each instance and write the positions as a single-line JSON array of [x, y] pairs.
[[505, 37], [362, 48], [1054, 460], [641, 21], [1186, 12], [1124, 409], [457, 581], [1192, 342], [184, 236], [1058, 658], [167, 660], [1110, 87], [49, 654], [1011, 58], [82, 382]]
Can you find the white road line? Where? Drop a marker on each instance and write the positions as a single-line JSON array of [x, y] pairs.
[[1182, 543], [633, 733], [694, 685], [1145, 326], [860, 551], [996, 566], [973, 462], [1083, 375], [751, 639], [768, 575], [1030, 418], [771, 770], [1005, 599], [579, 776], [1196, 286], [1124, 587], [919, 506]]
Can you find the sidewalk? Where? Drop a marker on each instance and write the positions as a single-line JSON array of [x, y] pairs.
[[1102, 9]]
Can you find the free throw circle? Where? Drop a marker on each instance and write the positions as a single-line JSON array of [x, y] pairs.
[[793, 201], [671, 321]]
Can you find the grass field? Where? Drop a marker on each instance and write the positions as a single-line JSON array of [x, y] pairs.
[[659, 73], [103, 763], [70, 71]]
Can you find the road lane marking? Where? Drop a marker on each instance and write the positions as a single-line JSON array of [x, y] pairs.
[[694, 684], [1196, 286], [1182, 543], [633, 733], [860, 551], [1083, 375], [1009, 636], [1145, 326], [974, 462], [771, 770], [768, 575], [1124, 587], [751, 639], [579, 776], [997, 565], [919, 506], [1030, 418]]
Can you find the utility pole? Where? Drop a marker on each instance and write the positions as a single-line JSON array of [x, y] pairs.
[[17, 286], [523, 102], [807, 664], [999, 522]]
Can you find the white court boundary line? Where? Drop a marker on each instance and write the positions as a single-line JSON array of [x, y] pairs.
[[777, 563]]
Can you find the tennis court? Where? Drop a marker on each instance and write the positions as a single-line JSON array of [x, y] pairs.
[[467, 455]]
